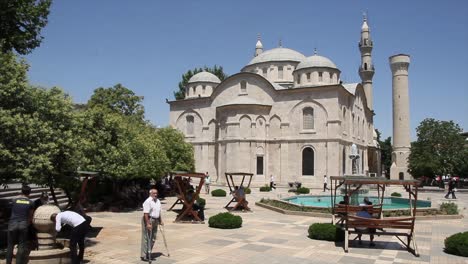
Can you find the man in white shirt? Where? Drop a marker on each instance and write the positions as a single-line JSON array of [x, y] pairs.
[[325, 183], [149, 223], [77, 236]]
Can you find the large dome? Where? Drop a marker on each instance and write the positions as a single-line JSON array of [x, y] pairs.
[[278, 54], [204, 77], [316, 61]]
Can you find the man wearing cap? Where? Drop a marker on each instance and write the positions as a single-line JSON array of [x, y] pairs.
[[21, 216]]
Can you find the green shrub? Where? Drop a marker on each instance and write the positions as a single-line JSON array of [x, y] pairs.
[[395, 194], [265, 188], [303, 190], [201, 202], [218, 193], [326, 231], [247, 190], [225, 221], [449, 208], [457, 244]]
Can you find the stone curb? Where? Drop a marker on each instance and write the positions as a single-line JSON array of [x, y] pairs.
[[328, 215]]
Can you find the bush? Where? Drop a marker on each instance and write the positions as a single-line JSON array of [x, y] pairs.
[[395, 194], [326, 231], [303, 190], [265, 188], [225, 221], [449, 208], [201, 202], [218, 193], [247, 190], [457, 244]]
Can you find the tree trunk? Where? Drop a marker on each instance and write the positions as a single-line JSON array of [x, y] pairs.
[[52, 191]]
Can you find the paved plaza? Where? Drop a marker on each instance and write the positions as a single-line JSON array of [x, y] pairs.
[[265, 237]]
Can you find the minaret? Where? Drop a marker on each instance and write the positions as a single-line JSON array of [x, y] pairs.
[[258, 46], [366, 70], [401, 124]]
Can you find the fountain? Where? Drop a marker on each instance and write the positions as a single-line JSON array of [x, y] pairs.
[[50, 252], [355, 198]]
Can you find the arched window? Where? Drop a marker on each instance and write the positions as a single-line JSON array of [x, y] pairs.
[[190, 120], [344, 124], [365, 66], [280, 72], [308, 161], [308, 118], [243, 85]]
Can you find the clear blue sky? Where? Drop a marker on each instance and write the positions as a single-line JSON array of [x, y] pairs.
[[147, 45]]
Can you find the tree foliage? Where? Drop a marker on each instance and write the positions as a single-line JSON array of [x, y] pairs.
[[37, 125], [439, 149], [21, 22], [118, 99], [385, 151], [179, 152], [216, 70]]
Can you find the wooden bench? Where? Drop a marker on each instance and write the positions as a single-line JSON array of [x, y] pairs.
[[340, 211], [394, 226]]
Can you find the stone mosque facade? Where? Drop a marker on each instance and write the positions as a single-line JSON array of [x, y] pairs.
[[284, 114]]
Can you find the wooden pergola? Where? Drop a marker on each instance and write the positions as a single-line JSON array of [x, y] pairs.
[[241, 201], [183, 183], [394, 226]]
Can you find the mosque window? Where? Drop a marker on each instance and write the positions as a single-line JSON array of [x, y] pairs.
[[320, 76], [308, 77], [331, 77], [280, 72], [243, 86], [264, 72], [203, 89], [365, 66], [190, 120], [298, 79], [308, 118], [308, 161]]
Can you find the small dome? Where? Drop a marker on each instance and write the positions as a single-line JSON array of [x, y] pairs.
[[277, 54], [316, 61], [204, 77]]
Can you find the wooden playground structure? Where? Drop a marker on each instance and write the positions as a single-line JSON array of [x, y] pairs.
[[344, 213], [187, 195]]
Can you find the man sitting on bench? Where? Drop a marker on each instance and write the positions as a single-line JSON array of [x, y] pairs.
[[365, 214], [239, 194]]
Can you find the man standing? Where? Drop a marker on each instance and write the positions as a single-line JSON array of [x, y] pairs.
[[451, 189], [272, 182], [325, 183], [207, 183], [78, 233], [149, 223], [21, 217]]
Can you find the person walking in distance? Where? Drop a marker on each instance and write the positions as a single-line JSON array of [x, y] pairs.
[[325, 183], [21, 216], [207, 183], [451, 189], [149, 223], [272, 182], [77, 236]]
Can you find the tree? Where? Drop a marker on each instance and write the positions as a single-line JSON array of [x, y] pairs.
[[179, 152], [21, 22], [439, 149], [385, 151], [216, 70], [118, 99]]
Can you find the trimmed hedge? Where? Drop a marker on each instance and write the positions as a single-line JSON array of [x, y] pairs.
[[225, 221], [247, 190], [303, 190], [457, 244], [265, 188], [395, 194], [201, 202], [326, 231], [218, 193], [449, 208]]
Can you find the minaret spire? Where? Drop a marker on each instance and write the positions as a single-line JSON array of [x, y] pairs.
[[366, 70], [258, 46]]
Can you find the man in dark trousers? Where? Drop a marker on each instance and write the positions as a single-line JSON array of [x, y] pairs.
[[78, 233], [21, 216], [325, 183], [451, 189]]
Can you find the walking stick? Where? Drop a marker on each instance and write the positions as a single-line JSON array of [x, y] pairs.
[[164, 238]]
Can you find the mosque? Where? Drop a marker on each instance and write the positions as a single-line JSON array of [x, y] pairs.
[[284, 114]]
